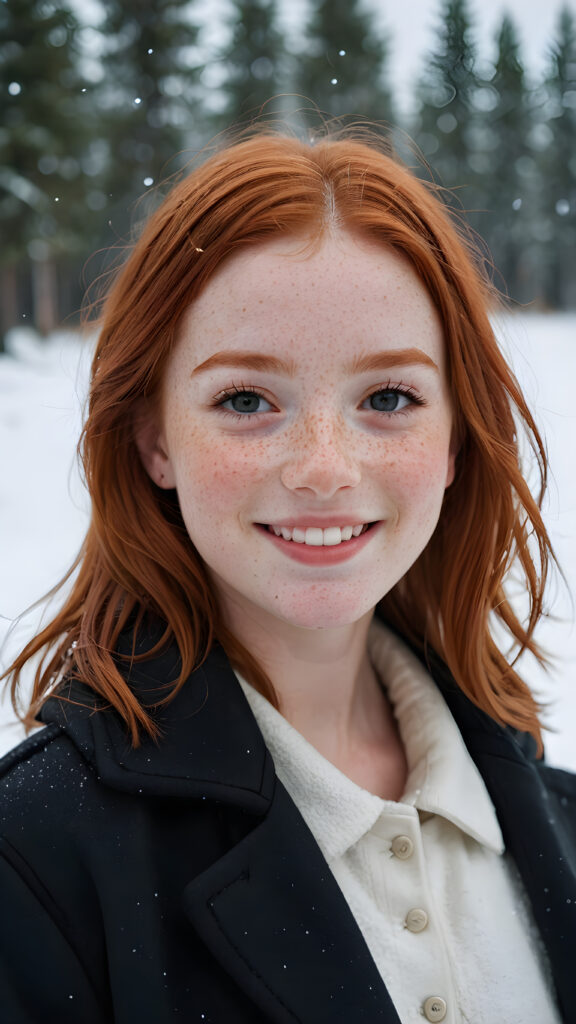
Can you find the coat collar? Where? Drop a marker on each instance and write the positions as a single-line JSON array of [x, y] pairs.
[[210, 746]]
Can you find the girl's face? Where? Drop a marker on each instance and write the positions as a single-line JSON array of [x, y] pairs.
[[306, 426]]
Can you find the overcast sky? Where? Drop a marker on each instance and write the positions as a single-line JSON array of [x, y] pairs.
[[412, 26]]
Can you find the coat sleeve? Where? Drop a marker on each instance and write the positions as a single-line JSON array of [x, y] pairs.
[[41, 977]]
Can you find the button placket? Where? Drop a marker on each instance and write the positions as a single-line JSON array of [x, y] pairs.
[[401, 892], [416, 920]]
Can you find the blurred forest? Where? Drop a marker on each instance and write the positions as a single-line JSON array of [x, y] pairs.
[[96, 116]]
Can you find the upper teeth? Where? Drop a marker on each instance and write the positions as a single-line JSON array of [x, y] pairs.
[[317, 537]]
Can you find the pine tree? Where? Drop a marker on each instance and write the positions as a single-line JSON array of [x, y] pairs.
[[149, 97], [343, 68], [507, 169], [254, 62], [558, 167], [446, 123], [43, 146]]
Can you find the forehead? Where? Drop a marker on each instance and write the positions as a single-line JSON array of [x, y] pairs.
[[341, 291]]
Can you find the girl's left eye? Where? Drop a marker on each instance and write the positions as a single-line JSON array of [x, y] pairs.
[[391, 399], [244, 402]]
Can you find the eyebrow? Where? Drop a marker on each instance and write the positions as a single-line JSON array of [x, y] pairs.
[[394, 357], [273, 364], [249, 361]]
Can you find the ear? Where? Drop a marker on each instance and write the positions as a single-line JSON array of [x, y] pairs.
[[152, 447]]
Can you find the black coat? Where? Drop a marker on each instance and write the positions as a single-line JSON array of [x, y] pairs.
[[180, 882]]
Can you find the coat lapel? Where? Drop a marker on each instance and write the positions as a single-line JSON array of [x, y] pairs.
[[273, 915]]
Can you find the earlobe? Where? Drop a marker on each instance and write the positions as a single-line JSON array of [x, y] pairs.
[[152, 450]]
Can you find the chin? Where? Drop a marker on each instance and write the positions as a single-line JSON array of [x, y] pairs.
[[323, 611]]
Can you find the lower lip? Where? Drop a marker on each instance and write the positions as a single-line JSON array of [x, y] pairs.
[[307, 554]]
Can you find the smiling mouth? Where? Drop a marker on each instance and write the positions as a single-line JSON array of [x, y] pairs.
[[315, 536]]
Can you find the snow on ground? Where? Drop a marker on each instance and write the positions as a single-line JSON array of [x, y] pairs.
[[44, 511]]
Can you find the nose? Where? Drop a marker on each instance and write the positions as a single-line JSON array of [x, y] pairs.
[[322, 459]]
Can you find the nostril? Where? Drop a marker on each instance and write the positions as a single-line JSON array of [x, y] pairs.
[[323, 470]]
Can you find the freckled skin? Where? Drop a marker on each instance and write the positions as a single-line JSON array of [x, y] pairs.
[[318, 449]]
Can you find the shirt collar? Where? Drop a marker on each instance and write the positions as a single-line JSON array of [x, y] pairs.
[[443, 778]]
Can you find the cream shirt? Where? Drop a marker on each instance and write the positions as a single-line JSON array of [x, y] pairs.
[[440, 905]]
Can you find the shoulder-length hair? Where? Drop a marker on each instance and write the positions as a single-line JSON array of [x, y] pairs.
[[137, 558]]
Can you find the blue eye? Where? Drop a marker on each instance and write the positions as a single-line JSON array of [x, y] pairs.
[[244, 402], [388, 400]]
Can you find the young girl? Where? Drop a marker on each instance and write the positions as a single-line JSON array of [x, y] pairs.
[[286, 773]]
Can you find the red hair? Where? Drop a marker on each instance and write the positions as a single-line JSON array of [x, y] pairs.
[[137, 557]]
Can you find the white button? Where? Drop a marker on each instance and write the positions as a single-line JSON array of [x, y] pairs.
[[416, 921], [435, 1008], [402, 847]]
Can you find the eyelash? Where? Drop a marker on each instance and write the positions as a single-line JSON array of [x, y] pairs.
[[399, 389], [242, 389]]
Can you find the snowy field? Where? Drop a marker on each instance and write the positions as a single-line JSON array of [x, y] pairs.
[[43, 508]]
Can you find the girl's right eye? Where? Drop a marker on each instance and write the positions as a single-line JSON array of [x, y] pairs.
[[243, 402]]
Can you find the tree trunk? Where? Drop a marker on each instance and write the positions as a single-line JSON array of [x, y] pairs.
[[45, 295], [8, 301]]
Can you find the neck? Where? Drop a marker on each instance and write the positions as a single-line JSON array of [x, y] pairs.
[[324, 680], [317, 673], [329, 692]]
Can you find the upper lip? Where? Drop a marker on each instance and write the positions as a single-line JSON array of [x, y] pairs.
[[324, 522]]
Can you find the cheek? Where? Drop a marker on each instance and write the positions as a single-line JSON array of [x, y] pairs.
[[227, 465], [214, 477], [418, 475]]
